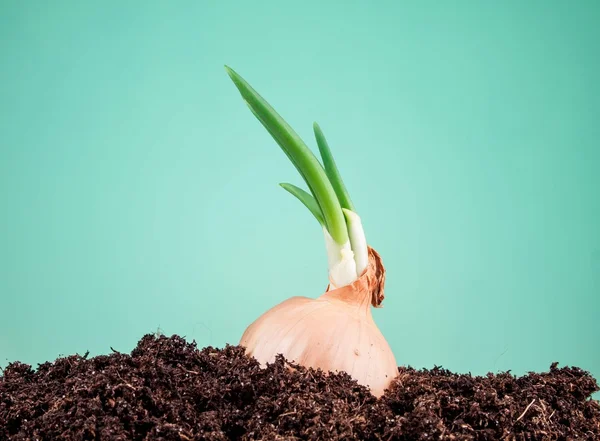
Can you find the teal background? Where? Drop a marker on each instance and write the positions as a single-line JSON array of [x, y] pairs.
[[138, 192]]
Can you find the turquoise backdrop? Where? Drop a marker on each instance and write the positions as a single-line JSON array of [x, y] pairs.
[[138, 192]]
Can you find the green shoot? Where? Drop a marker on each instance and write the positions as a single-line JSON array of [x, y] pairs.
[[331, 169], [307, 199], [305, 161]]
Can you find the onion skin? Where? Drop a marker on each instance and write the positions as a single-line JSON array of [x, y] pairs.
[[334, 332]]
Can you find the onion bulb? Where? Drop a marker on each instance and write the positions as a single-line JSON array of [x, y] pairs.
[[334, 332]]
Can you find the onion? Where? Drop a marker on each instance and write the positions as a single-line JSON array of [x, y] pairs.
[[336, 331]]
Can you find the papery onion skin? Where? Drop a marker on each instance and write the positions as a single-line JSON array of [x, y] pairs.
[[334, 332]]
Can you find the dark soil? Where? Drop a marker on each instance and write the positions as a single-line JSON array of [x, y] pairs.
[[167, 389]]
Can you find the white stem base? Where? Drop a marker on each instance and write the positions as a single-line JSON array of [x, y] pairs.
[[357, 240], [342, 267]]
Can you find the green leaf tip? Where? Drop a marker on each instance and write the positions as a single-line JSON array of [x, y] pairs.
[[332, 170], [307, 199]]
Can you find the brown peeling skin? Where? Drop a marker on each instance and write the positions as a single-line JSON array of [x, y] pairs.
[[376, 275], [368, 287]]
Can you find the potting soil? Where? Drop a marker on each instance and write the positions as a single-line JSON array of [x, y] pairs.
[[168, 389]]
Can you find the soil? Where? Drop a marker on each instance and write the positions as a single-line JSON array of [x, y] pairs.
[[168, 389]]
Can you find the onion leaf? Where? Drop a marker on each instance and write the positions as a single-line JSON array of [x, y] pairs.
[[301, 156], [331, 169], [307, 199]]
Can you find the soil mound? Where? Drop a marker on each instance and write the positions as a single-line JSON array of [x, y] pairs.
[[168, 389]]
